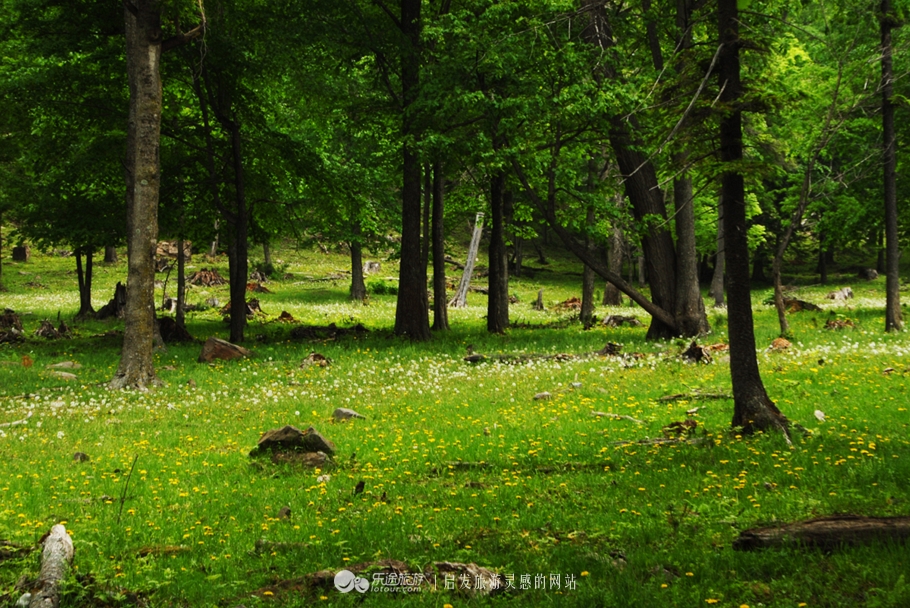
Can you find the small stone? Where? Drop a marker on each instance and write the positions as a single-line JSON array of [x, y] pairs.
[[820, 415], [576, 385], [65, 376], [191, 383], [315, 359], [343, 413], [81, 457], [65, 365], [304, 459], [284, 513], [542, 396]]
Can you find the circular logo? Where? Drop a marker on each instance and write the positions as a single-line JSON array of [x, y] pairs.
[[346, 581]]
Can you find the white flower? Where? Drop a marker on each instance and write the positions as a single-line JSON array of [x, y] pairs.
[[59, 434]]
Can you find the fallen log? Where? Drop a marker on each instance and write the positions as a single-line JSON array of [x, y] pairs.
[[695, 396], [826, 533], [55, 563]]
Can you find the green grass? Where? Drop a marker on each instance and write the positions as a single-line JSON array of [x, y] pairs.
[[547, 488]]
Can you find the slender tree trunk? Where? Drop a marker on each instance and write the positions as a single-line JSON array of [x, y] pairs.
[[880, 253], [822, 267], [893, 320], [213, 248], [85, 282], [180, 318], [110, 255], [498, 300], [267, 255], [411, 314], [358, 288], [143, 56], [587, 277], [717, 281], [238, 251], [690, 307], [753, 410], [612, 295], [440, 300], [427, 205]]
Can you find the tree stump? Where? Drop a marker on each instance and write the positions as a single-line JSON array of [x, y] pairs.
[[538, 305], [116, 305], [22, 253]]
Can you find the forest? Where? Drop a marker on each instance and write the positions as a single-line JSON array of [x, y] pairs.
[[715, 166]]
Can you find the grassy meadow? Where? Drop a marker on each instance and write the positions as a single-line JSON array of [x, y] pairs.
[[459, 462]]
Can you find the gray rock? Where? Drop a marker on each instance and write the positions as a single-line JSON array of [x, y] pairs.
[[65, 365], [343, 413], [64, 376], [542, 396], [81, 457]]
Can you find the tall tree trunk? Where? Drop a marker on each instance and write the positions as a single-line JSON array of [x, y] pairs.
[[180, 318], [85, 282], [612, 295], [880, 253], [267, 255], [213, 248], [822, 266], [238, 250], [717, 281], [143, 57], [411, 314], [427, 205], [690, 307], [498, 300], [358, 288], [440, 300], [587, 276], [753, 410], [110, 255], [893, 320]]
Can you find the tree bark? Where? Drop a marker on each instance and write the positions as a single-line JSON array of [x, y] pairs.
[[440, 302], [690, 307], [56, 560], [411, 314], [238, 250], [267, 255], [753, 410], [85, 282], [498, 300], [180, 318], [612, 295], [717, 281], [358, 288], [893, 320], [587, 277], [143, 53], [110, 255], [827, 533], [427, 205]]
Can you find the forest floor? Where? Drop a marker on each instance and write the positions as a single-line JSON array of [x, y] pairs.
[[581, 498]]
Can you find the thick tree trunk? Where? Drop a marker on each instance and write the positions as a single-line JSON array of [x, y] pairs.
[[85, 282], [181, 285], [267, 255], [358, 288], [440, 302], [498, 300], [893, 320], [143, 53], [753, 410], [411, 314], [647, 201], [717, 281], [110, 255], [690, 307]]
